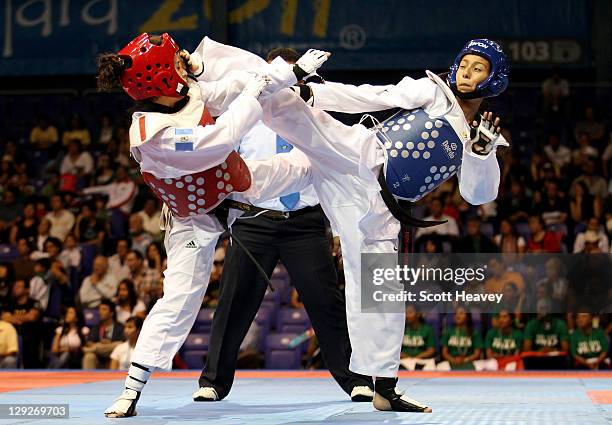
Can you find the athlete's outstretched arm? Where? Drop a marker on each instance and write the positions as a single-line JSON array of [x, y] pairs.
[[407, 94]]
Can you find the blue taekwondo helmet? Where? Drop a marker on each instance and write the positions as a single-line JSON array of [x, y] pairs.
[[496, 82]]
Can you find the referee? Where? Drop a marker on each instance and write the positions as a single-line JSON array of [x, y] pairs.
[[299, 240]]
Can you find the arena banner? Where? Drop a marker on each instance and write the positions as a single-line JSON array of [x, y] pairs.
[[487, 283], [63, 37]]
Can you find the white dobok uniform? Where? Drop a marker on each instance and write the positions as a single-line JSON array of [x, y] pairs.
[[173, 148], [345, 162]]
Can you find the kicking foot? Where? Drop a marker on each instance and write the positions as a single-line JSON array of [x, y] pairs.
[[206, 394], [124, 406], [362, 393], [388, 397]]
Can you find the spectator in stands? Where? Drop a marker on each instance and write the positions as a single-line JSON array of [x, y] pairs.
[[594, 234], [71, 253], [449, 229], [145, 279], [582, 203], [500, 276], [44, 136], [9, 346], [6, 280], [7, 170], [541, 240], [584, 151], [503, 340], [117, 263], [597, 185], [554, 286], [553, 207], [114, 151], [150, 217], [474, 241], [461, 343], [106, 129], [418, 345], [23, 266], [559, 155], [102, 339], [77, 163], [156, 257], [60, 218], [513, 301], [24, 313], [52, 288], [104, 172], [9, 213], [516, 204], [26, 225], [77, 132], [508, 241], [127, 302], [211, 298], [53, 248], [99, 285], [121, 193], [122, 353], [589, 125], [43, 233], [606, 159], [140, 238], [555, 91], [588, 345], [90, 229], [68, 341], [546, 333]]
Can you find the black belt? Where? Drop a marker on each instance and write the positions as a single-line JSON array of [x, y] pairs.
[[401, 214], [252, 210]]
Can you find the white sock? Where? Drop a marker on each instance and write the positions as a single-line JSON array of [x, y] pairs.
[[137, 377]]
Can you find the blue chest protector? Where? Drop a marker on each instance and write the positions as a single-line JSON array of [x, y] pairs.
[[422, 152]]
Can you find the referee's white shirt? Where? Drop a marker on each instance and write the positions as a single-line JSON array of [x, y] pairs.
[[260, 143]]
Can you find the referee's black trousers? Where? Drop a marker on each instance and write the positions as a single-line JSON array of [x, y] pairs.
[[301, 244]]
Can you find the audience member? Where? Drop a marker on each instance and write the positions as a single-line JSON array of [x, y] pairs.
[[122, 353], [99, 285], [418, 345], [127, 302], [60, 218], [150, 217], [541, 240], [117, 262], [461, 343], [103, 338], [593, 234], [140, 238], [588, 345], [8, 345], [24, 314], [68, 341]]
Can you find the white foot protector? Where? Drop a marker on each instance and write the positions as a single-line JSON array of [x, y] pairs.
[[124, 406]]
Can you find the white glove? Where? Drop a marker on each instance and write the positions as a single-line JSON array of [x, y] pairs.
[[256, 85], [485, 135], [193, 62], [311, 61]]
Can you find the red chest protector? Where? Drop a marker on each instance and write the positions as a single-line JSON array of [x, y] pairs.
[[201, 192]]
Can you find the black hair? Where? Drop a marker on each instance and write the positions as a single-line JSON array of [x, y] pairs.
[[289, 55]]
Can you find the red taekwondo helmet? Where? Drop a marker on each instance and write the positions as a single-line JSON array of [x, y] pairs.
[[150, 68]]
